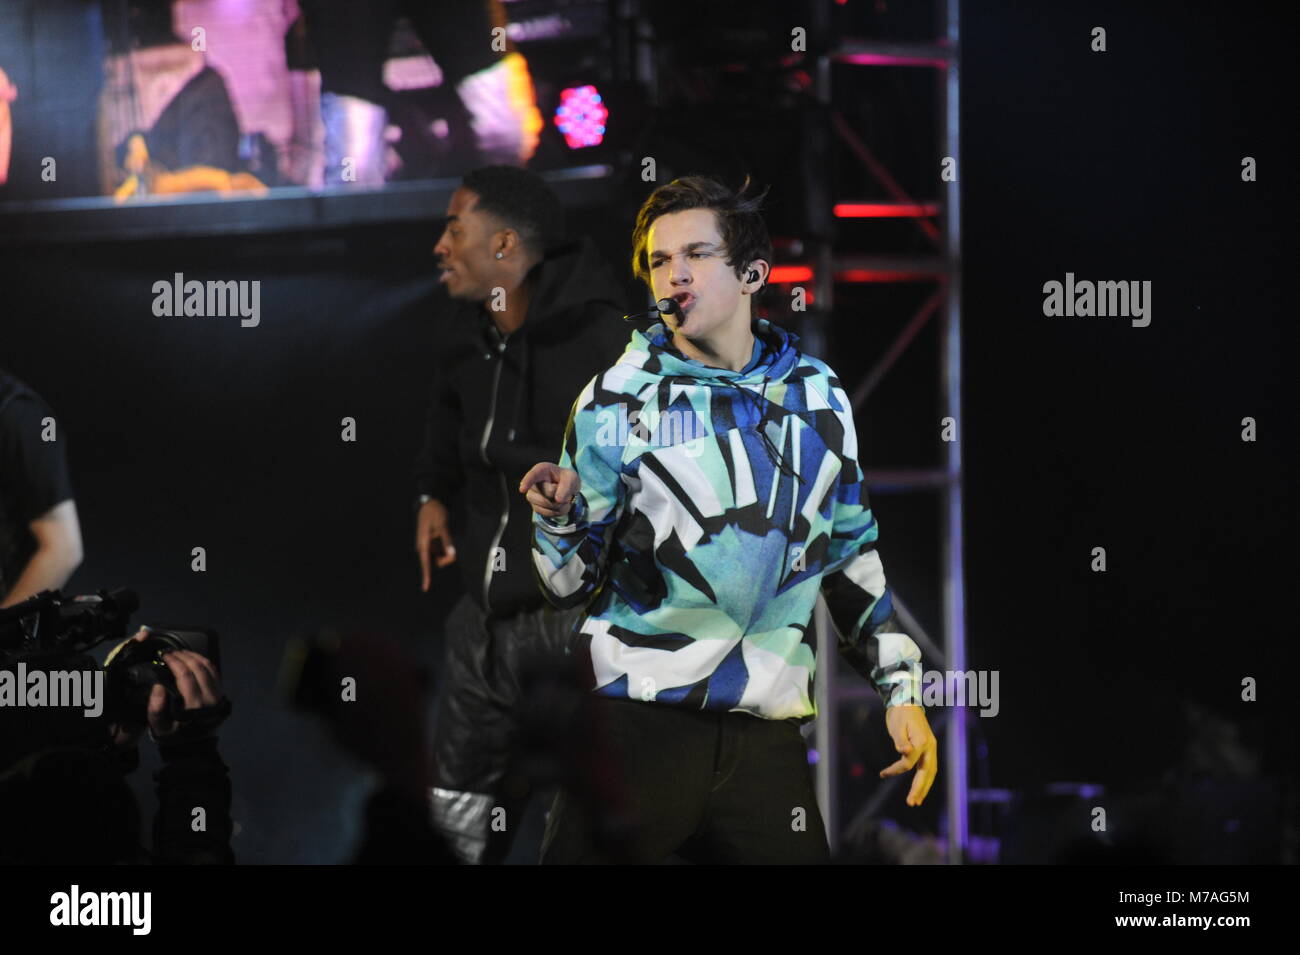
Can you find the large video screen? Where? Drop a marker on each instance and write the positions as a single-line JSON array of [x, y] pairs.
[[145, 101]]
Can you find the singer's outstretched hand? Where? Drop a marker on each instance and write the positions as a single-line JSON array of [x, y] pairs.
[[550, 489]]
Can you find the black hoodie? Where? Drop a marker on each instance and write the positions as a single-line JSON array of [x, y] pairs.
[[500, 405]]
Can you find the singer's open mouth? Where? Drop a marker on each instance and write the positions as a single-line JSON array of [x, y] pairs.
[[684, 299]]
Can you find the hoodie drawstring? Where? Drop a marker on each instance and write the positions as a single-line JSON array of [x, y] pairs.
[[777, 456]]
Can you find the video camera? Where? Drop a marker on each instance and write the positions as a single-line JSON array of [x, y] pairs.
[[50, 632]]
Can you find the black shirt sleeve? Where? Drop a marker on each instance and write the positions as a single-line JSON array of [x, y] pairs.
[[33, 472], [33, 479]]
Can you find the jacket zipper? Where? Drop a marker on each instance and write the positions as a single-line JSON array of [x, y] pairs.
[[505, 494]]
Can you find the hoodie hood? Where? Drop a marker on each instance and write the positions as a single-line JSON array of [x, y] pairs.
[[653, 353], [571, 277]]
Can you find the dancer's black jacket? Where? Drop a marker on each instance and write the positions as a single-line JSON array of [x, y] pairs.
[[497, 408]]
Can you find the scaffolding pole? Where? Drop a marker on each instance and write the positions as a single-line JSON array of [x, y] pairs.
[[945, 269], [954, 590]]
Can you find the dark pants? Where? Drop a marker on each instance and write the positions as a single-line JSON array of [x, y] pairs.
[[512, 684], [705, 787]]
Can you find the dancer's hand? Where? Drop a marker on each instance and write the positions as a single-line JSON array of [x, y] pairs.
[[916, 746], [433, 540], [550, 489]]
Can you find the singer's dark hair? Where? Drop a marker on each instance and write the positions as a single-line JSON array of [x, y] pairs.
[[520, 200], [740, 223]]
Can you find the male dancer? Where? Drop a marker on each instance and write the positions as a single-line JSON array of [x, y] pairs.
[[536, 318], [709, 488]]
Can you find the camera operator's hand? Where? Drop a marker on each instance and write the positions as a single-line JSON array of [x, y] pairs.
[[200, 688]]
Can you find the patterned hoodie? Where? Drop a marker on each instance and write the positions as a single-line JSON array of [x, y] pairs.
[[715, 506]]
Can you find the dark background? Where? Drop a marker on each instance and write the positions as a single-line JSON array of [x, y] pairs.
[[1077, 432]]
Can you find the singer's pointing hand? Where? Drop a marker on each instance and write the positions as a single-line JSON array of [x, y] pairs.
[[550, 489]]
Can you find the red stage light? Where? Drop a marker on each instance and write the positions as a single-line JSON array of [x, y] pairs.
[[885, 210], [781, 274]]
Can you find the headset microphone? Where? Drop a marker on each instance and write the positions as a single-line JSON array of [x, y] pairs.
[[665, 306]]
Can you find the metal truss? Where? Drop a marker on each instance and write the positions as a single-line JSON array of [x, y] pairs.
[[943, 268]]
